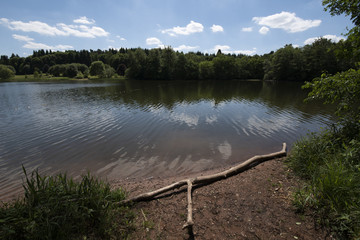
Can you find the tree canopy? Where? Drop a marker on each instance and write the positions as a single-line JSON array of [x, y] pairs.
[[288, 63], [348, 7], [6, 72]]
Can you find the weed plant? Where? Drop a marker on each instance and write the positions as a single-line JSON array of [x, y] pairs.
[[330, 164], [57, 207]]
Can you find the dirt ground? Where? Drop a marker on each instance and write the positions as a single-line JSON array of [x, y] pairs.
[[255, 204]]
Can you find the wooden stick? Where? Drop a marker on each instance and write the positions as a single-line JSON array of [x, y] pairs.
[[150, 195], [207, 179], [240, 167], [189, 221], [210, 178]]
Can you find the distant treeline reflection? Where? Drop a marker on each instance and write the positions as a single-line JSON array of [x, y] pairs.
[[155, 94]]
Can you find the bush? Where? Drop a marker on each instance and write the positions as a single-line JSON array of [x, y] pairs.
[[331, 165], [97, 68], [330, 161], [60, 208], [79, 75], [71, 71], [6, 72], [342, 89], [109, 72]]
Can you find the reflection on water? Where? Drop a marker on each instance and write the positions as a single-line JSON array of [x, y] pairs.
[[142, 129]]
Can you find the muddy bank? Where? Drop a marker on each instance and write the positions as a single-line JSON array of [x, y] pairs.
[[255, 204]]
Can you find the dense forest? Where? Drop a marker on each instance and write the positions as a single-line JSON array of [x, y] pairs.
[[288, 63]]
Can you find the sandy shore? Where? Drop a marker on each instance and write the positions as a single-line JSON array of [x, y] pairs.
[[255, 204]]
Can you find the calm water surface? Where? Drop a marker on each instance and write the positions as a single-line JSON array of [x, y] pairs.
[[146, 129]]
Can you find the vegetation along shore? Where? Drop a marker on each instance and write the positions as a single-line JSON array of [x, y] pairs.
[[314, 195]]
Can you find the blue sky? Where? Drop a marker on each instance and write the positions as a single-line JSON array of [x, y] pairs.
[[235, 26]]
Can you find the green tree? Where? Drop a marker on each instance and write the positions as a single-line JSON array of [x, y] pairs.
[[168, 59], [191, 70], [121, 68], [206, 70], [343, 89], [109, 72], [137, 60], [97, 68], [320, 57], [6, 72], [348, 7], [224, 66], [152, 70], [71, 71], [285, 65], [180, 67]]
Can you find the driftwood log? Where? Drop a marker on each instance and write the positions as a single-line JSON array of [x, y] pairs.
[[201, 180]]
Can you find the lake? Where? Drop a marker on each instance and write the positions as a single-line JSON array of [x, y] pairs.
[[142, 129]]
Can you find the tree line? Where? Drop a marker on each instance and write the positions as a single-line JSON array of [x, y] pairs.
[[287, 63]]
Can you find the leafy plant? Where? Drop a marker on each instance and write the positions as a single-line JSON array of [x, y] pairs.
[[331, 166], [60, 208], [342, 89]]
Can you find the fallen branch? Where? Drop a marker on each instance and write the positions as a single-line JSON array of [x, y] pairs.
[[207, 179], [189, 221]]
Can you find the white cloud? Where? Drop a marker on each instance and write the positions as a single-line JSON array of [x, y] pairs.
[[185, 48], [4, 21], [223, 48], [22, 38], [333, 38], [192, 27], [121, 38], [217, 28], [245, 52], [189, 120], [82, 31], [60, 29], [153, 41], [32, 26], [264, 30], [247, 29], [227, 49], [225, 150], [84, 20], [286, 21], [33, 45]]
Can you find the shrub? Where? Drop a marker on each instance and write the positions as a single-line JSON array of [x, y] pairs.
[[71, 71], [97, 68], [60, 208], [6, 72], [331, 165]]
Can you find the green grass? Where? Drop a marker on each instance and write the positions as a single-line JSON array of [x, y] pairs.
[[49, 78], [60, 208], [330, 164]]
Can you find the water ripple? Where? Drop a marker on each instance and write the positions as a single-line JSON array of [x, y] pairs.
[[120, 130]]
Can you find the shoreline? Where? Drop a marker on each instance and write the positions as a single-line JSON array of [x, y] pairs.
[[254, 204]]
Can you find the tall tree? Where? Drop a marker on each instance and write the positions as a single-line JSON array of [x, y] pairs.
[[286, 65], [168, 59], [6, 72], [97, 68], [348, 7]]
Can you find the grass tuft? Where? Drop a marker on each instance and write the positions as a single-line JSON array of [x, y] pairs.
[[330, 164], [57, 207]]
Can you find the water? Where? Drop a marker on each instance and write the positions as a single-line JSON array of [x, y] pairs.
[[146, 129]]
